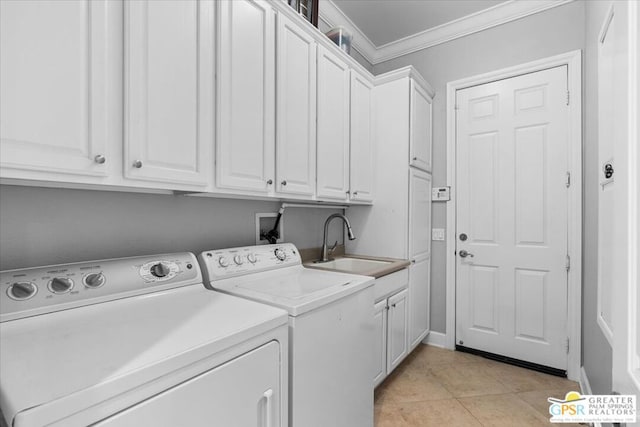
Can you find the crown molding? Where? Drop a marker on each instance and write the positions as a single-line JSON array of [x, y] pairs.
[[497, 15], [332, 15]]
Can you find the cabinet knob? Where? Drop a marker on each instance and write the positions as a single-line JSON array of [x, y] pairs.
[[415, 158], [99, 159], [269, 181], [355, 193], [284, 182], [137, 164], [347, 192]]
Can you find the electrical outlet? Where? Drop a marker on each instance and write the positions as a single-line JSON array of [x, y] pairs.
[[437, 234]]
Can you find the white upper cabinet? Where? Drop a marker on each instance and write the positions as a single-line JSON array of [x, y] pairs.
[[56, 92], [362, 143], [246, 96], [420, 138], [333, 126], [419, 213], [169, 91], [296, 110]]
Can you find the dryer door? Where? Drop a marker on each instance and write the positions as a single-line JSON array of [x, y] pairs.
[[242, 392]]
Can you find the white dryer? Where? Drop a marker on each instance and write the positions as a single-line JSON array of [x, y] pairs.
[[137, 342], [331, 329]]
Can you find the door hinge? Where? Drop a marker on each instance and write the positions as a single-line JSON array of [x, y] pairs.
[[568, 263], [568, 97], [567, 345], [568, 183]]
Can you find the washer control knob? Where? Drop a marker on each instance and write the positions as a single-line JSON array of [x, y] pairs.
[[94, 280], [238, 259], [280, 254], [252, 258], [160, 270], [60, 285], [22, 290], [223, 262]]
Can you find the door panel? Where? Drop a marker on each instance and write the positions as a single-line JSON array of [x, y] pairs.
[[421, 132], [380, 350], [419, 299], [333, 126], [362, 139], [169, 101], [55, 109], [419, 213], [296, 110], [246, 96], [243, 392], [397, 332], [512, 146]]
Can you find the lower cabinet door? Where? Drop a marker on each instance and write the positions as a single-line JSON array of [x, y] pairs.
[[380, 350], [419, 290], [242, 392], [397, 334]]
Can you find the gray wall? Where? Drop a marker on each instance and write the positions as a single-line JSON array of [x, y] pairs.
[[548, 33], [40, 226], [596, 351]]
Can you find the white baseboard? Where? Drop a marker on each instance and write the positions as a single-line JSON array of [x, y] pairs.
[[436, 339], [584, 382], [585, 388]]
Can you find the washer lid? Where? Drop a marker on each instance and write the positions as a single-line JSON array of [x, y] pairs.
[[61, 363], [296, 289]]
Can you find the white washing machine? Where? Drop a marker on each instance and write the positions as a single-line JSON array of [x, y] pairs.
[[137, 342], [331, 329]]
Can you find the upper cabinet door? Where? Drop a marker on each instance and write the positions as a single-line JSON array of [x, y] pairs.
[[246, 98], [419, 213], [362, 143], [57, 95], [333, 126], [169, 91], [421, 129], [296, 110]]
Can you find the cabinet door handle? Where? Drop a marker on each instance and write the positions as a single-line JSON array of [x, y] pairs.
[[100, 159], [393, 305], [415, 158], [347, 192], [355, 193], [269, 181], [268, 402], [137, 164], [284, 182]]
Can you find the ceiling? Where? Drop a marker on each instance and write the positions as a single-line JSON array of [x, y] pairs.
[[385, 21]]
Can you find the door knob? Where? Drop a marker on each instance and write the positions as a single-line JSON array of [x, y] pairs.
[[137, 164], [465, 254]]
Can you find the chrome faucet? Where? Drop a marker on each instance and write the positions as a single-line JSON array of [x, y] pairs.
[[325, 250]]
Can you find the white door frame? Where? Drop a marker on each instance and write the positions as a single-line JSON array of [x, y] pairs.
[[573, 61]]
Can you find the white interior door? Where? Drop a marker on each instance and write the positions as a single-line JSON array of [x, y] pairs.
[[619, 80], [511, 288]]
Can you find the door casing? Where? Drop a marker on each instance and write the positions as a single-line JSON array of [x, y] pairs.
[[573, 61]]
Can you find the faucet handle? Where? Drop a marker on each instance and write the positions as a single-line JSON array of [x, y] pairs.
[[333, 248]]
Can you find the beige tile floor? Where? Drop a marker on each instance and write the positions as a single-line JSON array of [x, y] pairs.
[[437, 387]]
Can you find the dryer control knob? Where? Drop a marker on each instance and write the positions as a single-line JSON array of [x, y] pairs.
[[238, 259], [280, 254], [252, 258], [60, 285], [223, 262], [160, 270], [22, 290], [94, 280]]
